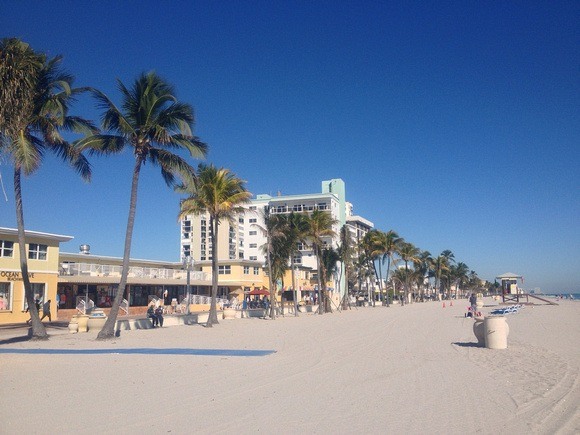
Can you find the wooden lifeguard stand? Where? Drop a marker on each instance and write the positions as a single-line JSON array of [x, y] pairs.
[[511, 294]]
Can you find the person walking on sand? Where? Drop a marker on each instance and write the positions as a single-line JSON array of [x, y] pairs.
[[46, 311], [37, 303]]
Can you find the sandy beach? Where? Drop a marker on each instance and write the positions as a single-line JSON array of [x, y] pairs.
[[411, 369]]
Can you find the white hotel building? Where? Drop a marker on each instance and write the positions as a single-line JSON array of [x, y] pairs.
[[241, 242]]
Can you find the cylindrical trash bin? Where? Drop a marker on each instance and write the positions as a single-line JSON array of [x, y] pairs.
[[496, 332]]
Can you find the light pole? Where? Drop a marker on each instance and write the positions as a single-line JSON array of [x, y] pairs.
[[188, 264]]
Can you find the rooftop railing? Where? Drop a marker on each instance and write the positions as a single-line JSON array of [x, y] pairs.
[[108, 270]]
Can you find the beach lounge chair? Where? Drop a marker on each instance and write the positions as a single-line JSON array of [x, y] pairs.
[[507, 310]]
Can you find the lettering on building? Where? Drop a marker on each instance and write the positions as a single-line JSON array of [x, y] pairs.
[[13, 276]]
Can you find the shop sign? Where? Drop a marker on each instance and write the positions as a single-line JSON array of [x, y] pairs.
[[13, 276]]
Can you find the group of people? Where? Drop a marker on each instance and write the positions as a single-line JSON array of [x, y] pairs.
[[156, 315], [45, 310]]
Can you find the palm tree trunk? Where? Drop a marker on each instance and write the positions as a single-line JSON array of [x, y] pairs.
[[320, 302], [212, 318], [345, 296], [38, 329], [387, 279], [108, 331], [271, 280], [294, 286], [379, 278]]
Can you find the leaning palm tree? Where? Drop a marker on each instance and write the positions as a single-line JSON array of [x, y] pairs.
[[152, 123], [320, 228], [220, 194], [35, 96]]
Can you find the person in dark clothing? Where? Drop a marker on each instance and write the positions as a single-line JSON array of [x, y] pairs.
[[159, 316], [151, 315]]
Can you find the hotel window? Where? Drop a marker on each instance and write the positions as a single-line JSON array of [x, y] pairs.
[[6, 248], [187, 250], [253, 220], [256, 270], [253, 207], [253, 245], [241, 220], [5, 296], [246, 270], [253, 257], [37, 251], [253, 233], [224, 270], [38, 292]]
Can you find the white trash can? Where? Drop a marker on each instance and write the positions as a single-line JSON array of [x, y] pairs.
[[496, 332]]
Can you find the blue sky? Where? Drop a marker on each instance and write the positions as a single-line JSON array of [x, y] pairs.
[[454, 123]]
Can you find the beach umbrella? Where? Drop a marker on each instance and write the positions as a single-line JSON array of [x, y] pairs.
[[259, 292]]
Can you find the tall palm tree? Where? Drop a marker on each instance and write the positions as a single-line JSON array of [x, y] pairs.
[[408, 253], [459, 276], [345, 253], [152, 123], [320, 227], [441, 266], [35, 97], [422, 266], [375, 243], [276, 250], [298, 227], [392, 246], [220, 194], [449, 260]]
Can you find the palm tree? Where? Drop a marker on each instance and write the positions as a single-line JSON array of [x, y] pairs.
[[459, 275], [449, 260], [151, 122], [220, 194], [297, 230], [375, 243], [408, 253], [330, 259], [392, 246], [35, 97], [422, 266], [276, 251], [345, 253], [441, 266], [320, 227]]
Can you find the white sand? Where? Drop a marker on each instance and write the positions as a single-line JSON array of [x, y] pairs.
[[411, 369]]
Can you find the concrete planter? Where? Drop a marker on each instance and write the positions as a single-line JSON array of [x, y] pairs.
[[229, 313], [83, 322], [479, 330], [496, 332]]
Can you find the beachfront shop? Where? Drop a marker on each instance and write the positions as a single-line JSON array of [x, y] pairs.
[[43, 268]]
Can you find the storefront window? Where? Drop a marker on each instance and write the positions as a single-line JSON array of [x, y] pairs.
[[5, 296], [38, 292]]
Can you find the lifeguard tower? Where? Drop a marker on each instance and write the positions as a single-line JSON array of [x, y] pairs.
[[512, 294]]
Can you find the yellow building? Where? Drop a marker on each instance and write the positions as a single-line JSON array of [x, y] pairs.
[[43, 270]]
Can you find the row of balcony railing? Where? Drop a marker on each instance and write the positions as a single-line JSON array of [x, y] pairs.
[[108, 270]]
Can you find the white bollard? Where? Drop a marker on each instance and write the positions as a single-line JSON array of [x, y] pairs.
[[496, 332]]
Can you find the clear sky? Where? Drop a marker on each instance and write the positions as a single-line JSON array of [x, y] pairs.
[[454, 123]]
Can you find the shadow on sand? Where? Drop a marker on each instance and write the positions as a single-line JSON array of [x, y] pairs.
[[467, 344]]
